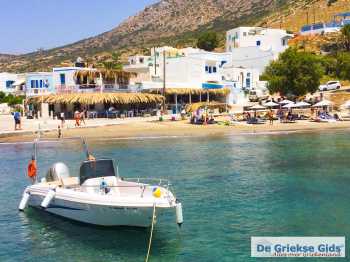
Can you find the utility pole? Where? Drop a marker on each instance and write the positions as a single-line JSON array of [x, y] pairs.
[[164, 75], [155, 61]]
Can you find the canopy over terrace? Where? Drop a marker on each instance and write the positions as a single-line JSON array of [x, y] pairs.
[[96, 98], [104, 73], [92, 77], [190, 95], [87, 99]]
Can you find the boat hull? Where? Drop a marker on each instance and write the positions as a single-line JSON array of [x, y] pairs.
[[102, 215]]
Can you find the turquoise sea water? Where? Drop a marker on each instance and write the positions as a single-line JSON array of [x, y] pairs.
[[231, 187]]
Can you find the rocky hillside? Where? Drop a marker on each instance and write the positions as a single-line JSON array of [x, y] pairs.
[[298, 13], [172, 22], [4, 57]]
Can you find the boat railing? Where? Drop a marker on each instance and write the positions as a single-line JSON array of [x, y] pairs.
[[157, 181]]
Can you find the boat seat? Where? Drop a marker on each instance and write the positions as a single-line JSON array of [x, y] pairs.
[[92, 185], [70, 181]]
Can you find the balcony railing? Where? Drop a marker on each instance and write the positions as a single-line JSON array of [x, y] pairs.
[[92, 88]]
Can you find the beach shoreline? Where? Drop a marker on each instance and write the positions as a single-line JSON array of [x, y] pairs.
[[173, 129]]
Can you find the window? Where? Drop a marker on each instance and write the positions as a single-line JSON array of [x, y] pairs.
[[141, 60], [63, 79], [32, 83], [209, 69], [9, 83], [214, 69], [41, 84], [244, 33], [206, 69], [247, 81], [258, 43]]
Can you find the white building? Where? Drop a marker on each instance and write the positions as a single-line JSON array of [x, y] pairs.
[[65, 81], [38, 83], [6, 82], [274, 40], [197, 69], [250, 57]]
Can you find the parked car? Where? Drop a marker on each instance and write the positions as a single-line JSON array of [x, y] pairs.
[[253, 97], [331, 85], [256, 95]]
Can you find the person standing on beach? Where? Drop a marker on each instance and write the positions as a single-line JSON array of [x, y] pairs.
[[82, 117], [270, 115], [77, 118], [59, 132], [62, 119], [17, 118]]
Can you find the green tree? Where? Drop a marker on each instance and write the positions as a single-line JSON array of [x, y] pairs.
[[208, 41], [294, 73], [2, 97], [346, 36], [113, 63], [329, 64], [343, 65]]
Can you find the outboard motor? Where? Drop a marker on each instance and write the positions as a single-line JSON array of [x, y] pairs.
[[57, 172]]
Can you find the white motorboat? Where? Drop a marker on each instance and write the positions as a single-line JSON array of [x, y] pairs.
[[99, 196]]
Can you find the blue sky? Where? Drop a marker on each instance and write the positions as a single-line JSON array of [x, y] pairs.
[[26, 25]]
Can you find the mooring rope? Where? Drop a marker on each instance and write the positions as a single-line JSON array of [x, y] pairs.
[[151, 235]]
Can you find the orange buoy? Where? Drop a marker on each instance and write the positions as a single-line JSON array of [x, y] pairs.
[[32, 169]]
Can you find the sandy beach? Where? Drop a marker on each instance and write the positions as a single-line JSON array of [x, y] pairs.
[[149, 129]]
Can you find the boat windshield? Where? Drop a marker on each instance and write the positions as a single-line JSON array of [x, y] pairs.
[[96, 168]]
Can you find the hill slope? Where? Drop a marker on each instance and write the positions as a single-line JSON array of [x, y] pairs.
[[175, 22]]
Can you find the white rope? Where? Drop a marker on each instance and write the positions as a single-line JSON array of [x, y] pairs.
[[151, 235]]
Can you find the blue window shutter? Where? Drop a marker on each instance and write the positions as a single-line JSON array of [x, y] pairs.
[[209, 69], [214, 69], [63, 79], [258, 43]]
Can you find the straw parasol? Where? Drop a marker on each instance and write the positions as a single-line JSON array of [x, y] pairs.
[[285, 101], [323, 103], [257, 107], [271, 104], [289, 106], [96, 98], [346, 104], [302, 104], [212, 105]]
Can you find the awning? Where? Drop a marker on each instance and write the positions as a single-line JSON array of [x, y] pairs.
[[19, 82], [212, 86]]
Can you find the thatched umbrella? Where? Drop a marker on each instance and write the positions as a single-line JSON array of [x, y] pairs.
[[210, 105]]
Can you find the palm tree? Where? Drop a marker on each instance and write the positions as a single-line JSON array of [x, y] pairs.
[[113, 63]]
